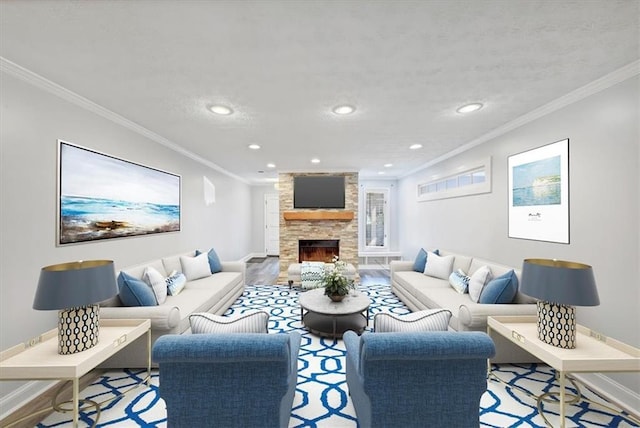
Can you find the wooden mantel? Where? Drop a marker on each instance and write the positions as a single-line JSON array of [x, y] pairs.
[[346, 215]]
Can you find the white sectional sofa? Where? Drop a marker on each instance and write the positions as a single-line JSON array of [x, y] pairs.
[[419, 292], [213, 294]]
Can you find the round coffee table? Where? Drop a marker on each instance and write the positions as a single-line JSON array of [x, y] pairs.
[[327, 318]]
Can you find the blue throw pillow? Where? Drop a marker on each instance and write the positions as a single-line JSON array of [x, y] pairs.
[[135, 292], [501, 289], [214, 260], [421, 260]]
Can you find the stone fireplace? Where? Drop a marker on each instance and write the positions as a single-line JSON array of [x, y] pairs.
[[340, 225], [318, 250]]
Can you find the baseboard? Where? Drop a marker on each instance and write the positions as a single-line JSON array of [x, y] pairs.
[[23, 394], [374, 267], [250, 256], [612, 391]]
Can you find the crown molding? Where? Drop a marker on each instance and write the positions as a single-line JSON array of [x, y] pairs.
[[607, 81], [34, 79]]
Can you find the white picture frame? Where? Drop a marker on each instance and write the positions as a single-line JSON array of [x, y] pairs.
[[539, 193]]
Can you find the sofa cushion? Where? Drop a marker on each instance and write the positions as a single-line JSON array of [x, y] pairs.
[[195, 267], [428, 320], [438, 267], [477, 282], [501, 289], [214, 261], [134, 291], [420, 261], [206, 323], [157, 282]]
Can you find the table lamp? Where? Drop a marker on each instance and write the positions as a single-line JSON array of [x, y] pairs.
[[75, 289], [560, 286]]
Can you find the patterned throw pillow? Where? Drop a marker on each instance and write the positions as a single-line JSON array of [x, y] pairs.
[[428, 320], [477, 282], [175, 283], [311, 274], [157, 282], [459, 281], [204, 323]]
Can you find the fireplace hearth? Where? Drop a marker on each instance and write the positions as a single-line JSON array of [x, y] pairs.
[[318, 250]]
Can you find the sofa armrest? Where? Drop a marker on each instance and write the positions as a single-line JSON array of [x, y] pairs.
[[400, 265], [234, 267], [162, 317], [474, 316]]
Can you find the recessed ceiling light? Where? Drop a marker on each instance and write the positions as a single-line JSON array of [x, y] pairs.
[[388, 165], [415, 146], [220, 109], [469, 108], [381, 173], [344, 109], [315, 160], [254, 146], [271, 165]]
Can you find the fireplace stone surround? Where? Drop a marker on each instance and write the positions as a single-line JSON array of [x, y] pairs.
[[333, 224]]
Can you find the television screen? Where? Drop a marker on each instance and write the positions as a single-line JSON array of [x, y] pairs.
[[322, 191]]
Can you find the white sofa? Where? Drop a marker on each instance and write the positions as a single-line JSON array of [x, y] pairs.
[[419, 292], [213, 294]]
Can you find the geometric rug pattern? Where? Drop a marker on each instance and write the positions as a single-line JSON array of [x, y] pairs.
[[322, 398]]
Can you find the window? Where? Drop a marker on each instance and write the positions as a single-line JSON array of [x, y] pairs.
[[376, 215], [469, 180]]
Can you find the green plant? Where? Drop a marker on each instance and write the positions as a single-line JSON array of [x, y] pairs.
[[335, 280]]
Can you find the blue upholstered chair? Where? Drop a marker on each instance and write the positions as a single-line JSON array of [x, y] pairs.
[[427, 379], [228, 380]]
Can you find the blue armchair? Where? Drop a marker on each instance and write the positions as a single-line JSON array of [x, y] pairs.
[[427, 379], [228, 380]]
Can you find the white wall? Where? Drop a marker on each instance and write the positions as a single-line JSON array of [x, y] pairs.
[[31, 121], [604, 206]]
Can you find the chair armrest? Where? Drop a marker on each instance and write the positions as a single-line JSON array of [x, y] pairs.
[[400, 265], [474, 317], [352, 343], [162, 317], [294, 343]]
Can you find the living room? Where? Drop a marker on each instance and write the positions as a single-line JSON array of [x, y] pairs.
[[599, 116]]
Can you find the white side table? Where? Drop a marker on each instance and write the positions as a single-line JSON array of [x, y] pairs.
[[38, 359], [593, 352]]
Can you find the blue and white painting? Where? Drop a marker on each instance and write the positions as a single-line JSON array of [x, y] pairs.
[[537, 183], [104, 197]]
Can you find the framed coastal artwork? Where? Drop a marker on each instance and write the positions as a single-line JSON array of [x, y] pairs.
[[103, 197], [539, 193]]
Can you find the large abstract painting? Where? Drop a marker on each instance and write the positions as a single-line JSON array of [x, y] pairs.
[[102, 197], [539, 193]]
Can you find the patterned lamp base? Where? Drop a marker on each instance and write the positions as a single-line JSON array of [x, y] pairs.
[[557, 324], [78, 329]]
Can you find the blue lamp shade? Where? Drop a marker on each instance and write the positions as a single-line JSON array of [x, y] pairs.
[[558, 281], [75, 289], [559, 286]]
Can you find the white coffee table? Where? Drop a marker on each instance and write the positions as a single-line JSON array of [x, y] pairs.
[[593, 353], [327, 318], [38, 359]]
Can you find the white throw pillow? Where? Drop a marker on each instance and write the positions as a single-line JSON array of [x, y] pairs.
[[428, 320], [478, 280], [157, 282], [204, 323], [195, 267], [438, 267]]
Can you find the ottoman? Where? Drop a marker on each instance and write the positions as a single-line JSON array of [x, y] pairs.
[[293, 273]]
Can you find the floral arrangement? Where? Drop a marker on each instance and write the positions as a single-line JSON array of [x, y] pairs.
[[335, 280]]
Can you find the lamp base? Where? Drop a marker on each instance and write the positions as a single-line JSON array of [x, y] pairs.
[[557, 324], [78, 329]]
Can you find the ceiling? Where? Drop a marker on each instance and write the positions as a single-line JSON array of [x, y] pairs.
[[283, 65]]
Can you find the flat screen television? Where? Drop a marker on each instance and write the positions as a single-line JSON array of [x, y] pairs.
[[321, 191]]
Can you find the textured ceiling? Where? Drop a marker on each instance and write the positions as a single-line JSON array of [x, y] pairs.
[[282, 66]]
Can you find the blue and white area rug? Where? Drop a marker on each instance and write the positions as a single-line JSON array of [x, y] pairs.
[[322, 398]]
